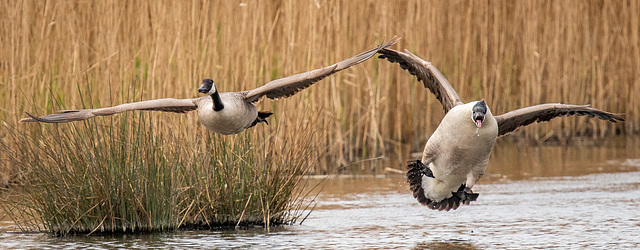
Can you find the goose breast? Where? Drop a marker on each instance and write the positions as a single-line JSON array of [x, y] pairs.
[[236, 116]]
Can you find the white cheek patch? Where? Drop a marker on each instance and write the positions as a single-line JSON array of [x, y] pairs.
[[212, 90]]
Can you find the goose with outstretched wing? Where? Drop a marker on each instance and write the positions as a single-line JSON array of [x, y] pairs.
[[457, 153], [224, 113]]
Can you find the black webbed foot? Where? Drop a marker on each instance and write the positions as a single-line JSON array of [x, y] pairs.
[[465, 194], [262, 117]]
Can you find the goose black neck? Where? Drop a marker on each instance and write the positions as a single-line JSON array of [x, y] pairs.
[[217, 102]]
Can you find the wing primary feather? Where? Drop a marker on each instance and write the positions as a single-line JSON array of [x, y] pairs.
[[166, 105], [288, 86], [511, 121], [428, 74]]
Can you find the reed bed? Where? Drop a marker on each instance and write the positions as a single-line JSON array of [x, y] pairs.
[[511, 53], [122, 175]]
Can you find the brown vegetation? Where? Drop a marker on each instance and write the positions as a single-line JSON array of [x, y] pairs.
[[121, 175], [511, 53]]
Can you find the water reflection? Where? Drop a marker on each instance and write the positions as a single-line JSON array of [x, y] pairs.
[[531, 197], [517, 162], [445, 245]]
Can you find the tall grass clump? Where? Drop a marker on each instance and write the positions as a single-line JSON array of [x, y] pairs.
[[123, 175], [86, 177], [236, 183]]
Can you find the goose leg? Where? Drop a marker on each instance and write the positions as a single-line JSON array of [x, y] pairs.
[[262, 117], [465, 194]]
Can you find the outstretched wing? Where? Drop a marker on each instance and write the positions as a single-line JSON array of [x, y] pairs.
[[427, 73], [511, 121], [288, 86], [166, 105]]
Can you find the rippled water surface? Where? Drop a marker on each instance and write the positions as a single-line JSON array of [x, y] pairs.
[[531, 197]]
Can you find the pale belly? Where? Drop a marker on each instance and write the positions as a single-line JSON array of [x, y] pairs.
[[232, 119], [454, 167], [460, 154]]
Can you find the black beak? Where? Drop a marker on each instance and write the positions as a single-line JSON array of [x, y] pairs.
[[203, 89], [478, 118]]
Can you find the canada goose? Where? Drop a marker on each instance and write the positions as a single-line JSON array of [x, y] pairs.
[[225, 113], [456, 155]]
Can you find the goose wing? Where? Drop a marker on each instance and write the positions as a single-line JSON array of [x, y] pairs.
[[510, 121], [166, 105], [427, 73], [288, 86]]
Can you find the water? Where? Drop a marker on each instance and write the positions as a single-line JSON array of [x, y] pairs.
[[531, 197]]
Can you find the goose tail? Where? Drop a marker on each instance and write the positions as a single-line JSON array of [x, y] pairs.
[[417, 170]]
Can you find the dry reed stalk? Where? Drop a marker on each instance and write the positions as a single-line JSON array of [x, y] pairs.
[[512, 54], [107, 177]]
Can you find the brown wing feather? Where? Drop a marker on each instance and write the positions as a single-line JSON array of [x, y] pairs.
[[166, 105], [291, 85], [427, 73], [511, 121]]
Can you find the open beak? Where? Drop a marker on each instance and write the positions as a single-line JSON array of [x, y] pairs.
[[479, 111], [478, 118]]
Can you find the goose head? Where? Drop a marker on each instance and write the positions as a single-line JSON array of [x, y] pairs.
[[479, 112], [207, 87]]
